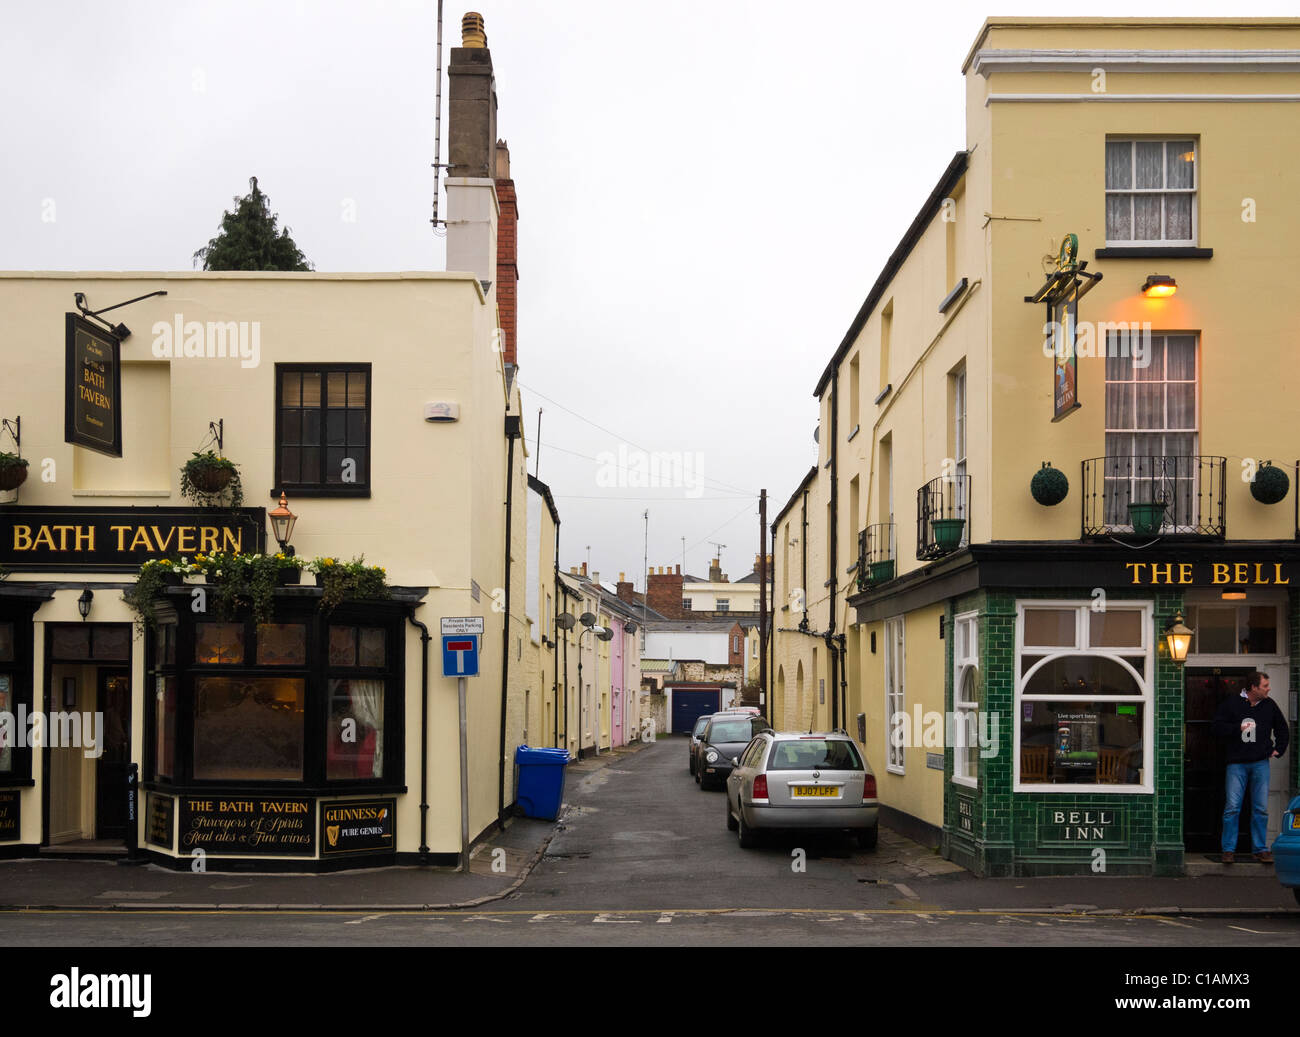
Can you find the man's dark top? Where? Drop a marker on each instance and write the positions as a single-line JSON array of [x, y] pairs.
[[1269, 725]]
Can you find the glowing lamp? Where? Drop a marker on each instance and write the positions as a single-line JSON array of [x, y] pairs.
[[1179, 639], [1159, 286]]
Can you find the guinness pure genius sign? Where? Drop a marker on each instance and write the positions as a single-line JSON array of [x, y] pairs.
[[119, 539], [92, 412]]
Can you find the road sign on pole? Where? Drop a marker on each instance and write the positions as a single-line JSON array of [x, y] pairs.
[[460, 655]]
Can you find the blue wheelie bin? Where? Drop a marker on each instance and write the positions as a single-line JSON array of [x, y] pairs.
[[1286, 849], [539, 789]]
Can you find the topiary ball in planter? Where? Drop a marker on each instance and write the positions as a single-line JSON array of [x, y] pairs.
[[1049, 485], [1270, 484]]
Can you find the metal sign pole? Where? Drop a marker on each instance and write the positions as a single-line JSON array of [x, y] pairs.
[[464, 779]]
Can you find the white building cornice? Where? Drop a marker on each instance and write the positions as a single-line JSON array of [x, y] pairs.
[[1140, 98], [990, 60]]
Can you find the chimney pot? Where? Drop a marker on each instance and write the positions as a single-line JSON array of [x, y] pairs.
[[584, 568], [679, 570], [622, 577], [472, 31]]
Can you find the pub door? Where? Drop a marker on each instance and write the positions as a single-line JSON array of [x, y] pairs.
[[111, 769], [1204, 759]]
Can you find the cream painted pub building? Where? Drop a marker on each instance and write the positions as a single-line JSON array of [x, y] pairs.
[[1058, 426], [385, 409]]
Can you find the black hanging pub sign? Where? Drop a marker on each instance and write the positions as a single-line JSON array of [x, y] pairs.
[[1061, 293], [92, 414]]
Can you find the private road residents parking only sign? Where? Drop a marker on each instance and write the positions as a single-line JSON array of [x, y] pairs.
[[460, 636]]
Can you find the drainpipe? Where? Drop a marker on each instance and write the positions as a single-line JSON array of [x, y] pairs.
[[555, 641], [512, 433], [424, 734], [566, 685], [834, 538], [803, 550]]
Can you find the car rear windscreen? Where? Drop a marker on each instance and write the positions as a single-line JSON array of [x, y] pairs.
[[731, 731], [809, 753]]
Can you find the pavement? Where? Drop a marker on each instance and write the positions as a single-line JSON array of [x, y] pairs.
[[898, 875]]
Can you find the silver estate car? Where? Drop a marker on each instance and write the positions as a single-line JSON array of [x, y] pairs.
[[794, 780]]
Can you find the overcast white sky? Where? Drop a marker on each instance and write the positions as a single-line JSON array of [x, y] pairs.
[[707, 191]]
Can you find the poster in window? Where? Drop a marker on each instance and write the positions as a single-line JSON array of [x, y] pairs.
[[358, 827]]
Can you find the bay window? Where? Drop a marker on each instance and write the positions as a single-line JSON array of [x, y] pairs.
[[1085, 681]]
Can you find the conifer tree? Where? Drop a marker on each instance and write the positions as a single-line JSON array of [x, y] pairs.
[[250, 240]]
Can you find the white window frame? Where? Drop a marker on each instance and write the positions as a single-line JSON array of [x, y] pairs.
[[965, 634], [895, 690], [1045, 654], [1162, 241], [1194, 431], [721, 604]]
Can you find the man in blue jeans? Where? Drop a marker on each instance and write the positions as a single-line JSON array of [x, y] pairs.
[[1256, 732]]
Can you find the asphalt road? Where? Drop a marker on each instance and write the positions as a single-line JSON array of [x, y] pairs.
[[645, 857]]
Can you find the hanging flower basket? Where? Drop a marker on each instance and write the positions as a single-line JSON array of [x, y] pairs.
[[947, 533], [13, 471], [1049, 485], [211, 481], [1270, 484], [1146, 517]]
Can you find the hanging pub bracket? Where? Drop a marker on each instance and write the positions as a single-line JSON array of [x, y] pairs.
[[218, 430], [15, 429]]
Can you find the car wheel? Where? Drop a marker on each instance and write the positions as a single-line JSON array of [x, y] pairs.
[[867, 837], [747, 837], [692, 767], [702, 782], [1296, 891], [731, 821]]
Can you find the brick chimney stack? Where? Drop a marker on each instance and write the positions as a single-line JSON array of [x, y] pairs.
[[625, 590], [664, 593], [715, 570], [507, 253]]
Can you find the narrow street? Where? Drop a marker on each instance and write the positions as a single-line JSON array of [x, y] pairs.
[[643, 857]]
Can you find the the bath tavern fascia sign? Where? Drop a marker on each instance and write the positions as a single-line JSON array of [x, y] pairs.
[[120, 539]]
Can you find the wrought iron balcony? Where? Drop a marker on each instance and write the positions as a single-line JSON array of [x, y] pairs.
[[1154, 495], [942, 516], [875, 555]]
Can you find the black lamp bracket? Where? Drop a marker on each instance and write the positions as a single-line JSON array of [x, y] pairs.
[[79, 299], [15, 428]]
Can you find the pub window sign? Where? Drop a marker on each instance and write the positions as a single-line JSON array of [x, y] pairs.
[[92, 415]]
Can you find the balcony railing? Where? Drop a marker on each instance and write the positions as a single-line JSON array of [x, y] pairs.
[[1154, 495], [942, 516], [876, 555]]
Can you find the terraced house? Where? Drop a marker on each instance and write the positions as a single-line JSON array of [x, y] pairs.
[[1053, 508]]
